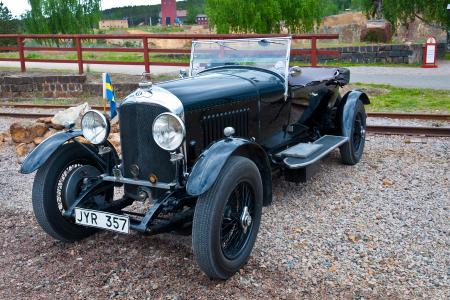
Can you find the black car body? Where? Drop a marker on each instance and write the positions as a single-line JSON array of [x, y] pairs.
[[233, 125]]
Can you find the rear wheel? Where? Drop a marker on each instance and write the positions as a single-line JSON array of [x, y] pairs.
[[352, 151], [227, 218], [56, 186]]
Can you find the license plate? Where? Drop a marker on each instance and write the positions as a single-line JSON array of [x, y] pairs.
[[99, 219]]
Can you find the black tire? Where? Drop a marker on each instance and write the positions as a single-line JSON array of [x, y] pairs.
[[352, 151], [210, 225], [47, 196]]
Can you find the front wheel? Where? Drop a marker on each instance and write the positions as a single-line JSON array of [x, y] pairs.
[[227, 218], [352, 151], [56, 186]]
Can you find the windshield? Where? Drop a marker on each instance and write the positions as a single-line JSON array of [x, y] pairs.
[[266, 53]]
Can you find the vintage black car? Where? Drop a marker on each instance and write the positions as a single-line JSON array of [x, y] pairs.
[[200, 150]]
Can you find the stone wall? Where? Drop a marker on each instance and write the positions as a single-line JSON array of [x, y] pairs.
[[399, 54], [55, 86], [45, 86]]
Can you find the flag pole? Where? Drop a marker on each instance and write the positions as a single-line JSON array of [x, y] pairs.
[[104, 91]]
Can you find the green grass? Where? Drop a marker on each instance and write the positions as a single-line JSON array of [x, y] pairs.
[[346, 64], [447, 56], [395, 99], [56, 101], [107, 56]]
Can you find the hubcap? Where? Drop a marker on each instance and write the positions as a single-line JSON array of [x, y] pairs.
[[246, 219]]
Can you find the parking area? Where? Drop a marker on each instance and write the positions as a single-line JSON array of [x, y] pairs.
[[378, 229]]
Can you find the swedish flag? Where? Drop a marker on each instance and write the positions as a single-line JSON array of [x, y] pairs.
[[109, 95]]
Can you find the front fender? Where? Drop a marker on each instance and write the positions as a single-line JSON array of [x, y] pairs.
[[348, 110], [210, 163], [41, 153]]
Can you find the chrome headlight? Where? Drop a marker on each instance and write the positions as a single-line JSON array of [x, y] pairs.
[[168, 131], [95, 127]]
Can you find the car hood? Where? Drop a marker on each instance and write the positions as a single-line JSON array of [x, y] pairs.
[[226, 85]]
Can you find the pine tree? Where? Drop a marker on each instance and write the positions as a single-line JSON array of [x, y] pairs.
[[7, 25]]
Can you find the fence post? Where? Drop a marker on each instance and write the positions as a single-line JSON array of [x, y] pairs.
[[314, 52], [79, 55], [146, 59], [21, 53]]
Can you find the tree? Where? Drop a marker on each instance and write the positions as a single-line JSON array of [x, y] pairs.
[[194, 7], [62, 16], [405, 11], [7, 25], [334, 7], [263, 16], [301, 16]]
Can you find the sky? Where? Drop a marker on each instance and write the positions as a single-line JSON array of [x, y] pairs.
[[18, 7]]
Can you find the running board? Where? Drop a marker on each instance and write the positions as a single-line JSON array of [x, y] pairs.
[[325, 144]]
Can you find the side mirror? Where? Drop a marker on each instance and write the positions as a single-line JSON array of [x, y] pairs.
[[183, 73]]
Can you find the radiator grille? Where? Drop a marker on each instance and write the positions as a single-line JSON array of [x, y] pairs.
[[138, 145], [213, 124]]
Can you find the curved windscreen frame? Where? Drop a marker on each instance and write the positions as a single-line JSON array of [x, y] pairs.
[[271, 54]]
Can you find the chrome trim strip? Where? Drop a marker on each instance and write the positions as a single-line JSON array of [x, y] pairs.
[[191, 61], [157, 95], [296, 166], [160, 185], [286, 72]]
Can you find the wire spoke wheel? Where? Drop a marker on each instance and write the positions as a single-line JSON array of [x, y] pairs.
[[62, 178], [352, 151], [359, 132], [237, 220], [58, 184], [226, 219]]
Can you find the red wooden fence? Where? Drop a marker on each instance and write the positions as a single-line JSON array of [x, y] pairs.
[[77, 40]]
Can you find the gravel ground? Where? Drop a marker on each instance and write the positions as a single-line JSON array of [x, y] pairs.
[[379, 229]]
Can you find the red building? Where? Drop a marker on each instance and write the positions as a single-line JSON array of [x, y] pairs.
[[201, 19], [168, 12]]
